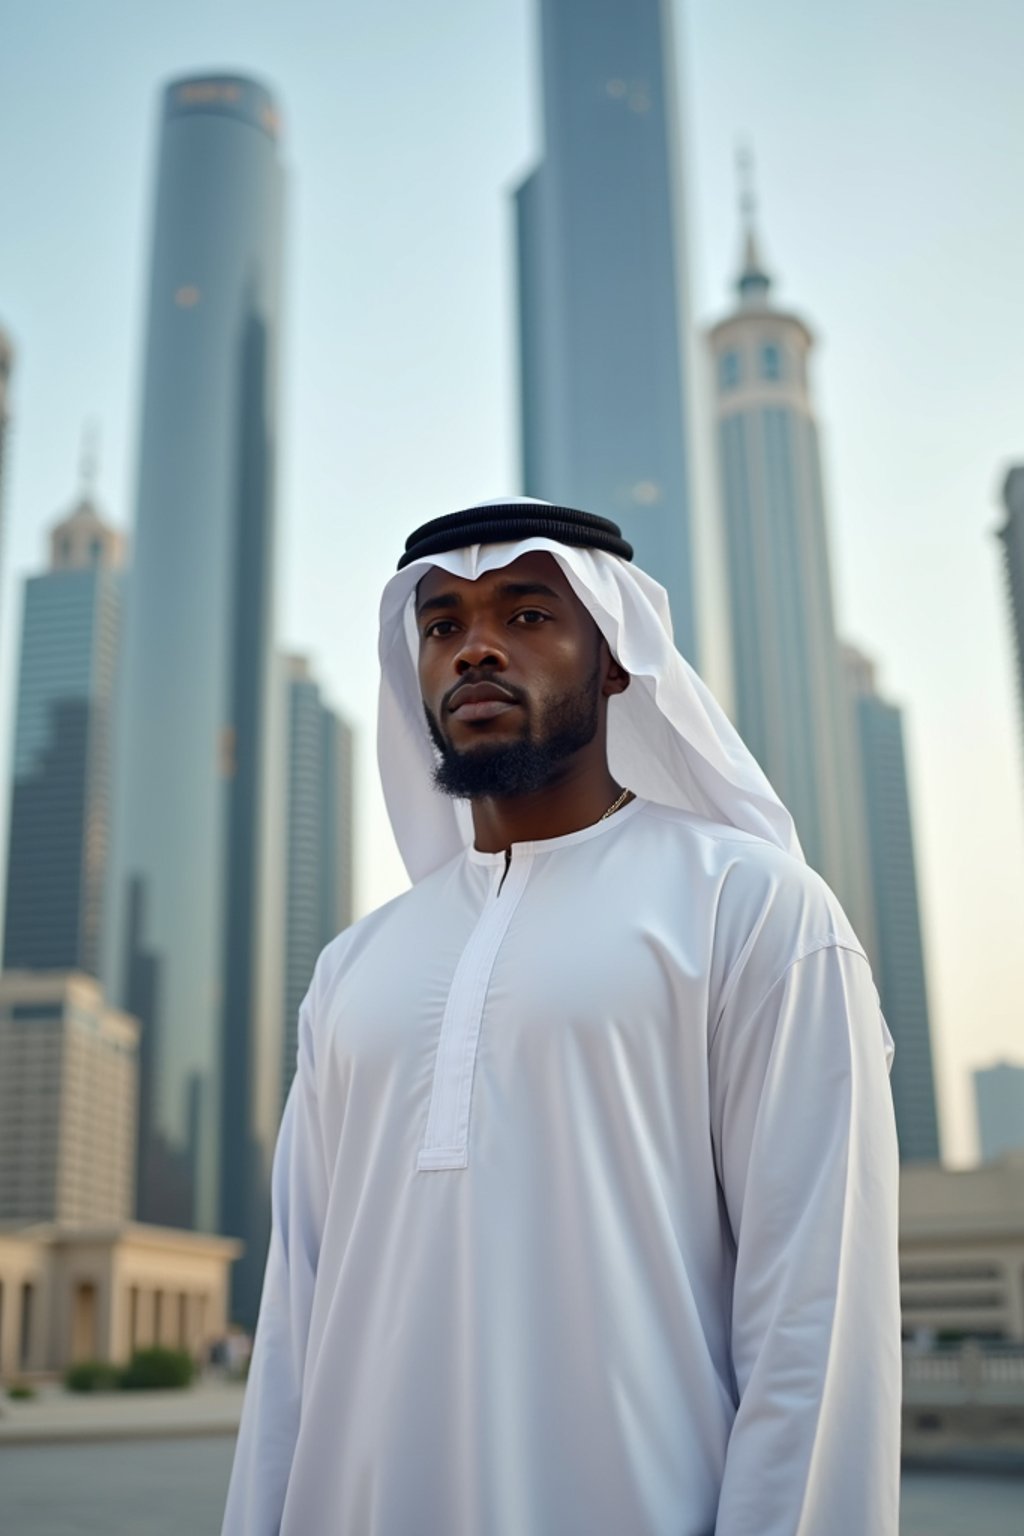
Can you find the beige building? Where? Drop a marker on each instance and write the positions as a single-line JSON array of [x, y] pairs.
[[99, 1293], [962, 1249], [78, 1279], [83, 540], [68, 1091]]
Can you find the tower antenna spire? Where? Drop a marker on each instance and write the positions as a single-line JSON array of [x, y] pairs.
[[753, 282], [89, 459], [745, 184]]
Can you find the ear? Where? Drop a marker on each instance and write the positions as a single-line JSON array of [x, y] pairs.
[[616, 678]]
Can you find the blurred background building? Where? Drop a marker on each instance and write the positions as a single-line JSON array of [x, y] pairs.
[[61, 793], [101, 1290], [603, 307], [68, 1067], [196, 926], [791, 704], [319, 801], [962, 1252], [900, 967], [999, 1101]]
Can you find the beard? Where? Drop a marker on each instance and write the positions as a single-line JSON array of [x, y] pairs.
[[505, 769]]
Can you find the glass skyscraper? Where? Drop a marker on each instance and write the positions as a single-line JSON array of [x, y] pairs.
[[61, 791], [899, 961], [196, 926], [603, 314], [319, 801], [791, 703]]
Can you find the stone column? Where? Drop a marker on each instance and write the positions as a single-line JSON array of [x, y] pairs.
[[10, 1341], [144, 1336], [196, 1342]]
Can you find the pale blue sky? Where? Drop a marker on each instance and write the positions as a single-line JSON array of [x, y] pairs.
[[888, 141]]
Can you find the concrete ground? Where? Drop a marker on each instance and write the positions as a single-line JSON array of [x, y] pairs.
[[211, 1406]]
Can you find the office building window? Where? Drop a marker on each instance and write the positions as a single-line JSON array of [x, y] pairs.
[[771, 360], [729, 370]]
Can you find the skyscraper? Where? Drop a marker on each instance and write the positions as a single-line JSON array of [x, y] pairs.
[[791, 705], [67, 1101], [1011, 535], [603, 315], [196, 928], [999, 1100], [899, 967], [63, 737], [319, 798]]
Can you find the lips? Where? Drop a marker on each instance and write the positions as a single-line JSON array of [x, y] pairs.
[[480, 701]]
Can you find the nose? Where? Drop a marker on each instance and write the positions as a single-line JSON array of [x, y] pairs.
[[481, 647]]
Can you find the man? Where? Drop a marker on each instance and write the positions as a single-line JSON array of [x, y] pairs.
[[585, 1193]]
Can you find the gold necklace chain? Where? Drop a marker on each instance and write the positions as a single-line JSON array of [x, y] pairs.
[[615, 805]]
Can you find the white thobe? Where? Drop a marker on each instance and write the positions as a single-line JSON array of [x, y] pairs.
[[584, 1208]]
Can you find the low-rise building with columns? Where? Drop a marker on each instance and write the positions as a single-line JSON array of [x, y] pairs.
[[100, 1293]]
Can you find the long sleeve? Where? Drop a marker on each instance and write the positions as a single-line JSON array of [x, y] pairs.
[[270, 1414], [805, 1140]]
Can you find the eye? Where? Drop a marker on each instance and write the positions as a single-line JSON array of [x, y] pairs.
[[440, 629], [530, 617]]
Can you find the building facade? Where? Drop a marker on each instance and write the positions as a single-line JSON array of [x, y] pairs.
[[962, 1250], [1011, 536], [899, 959], [61, 794], [101, 1292], [196, 918], [791, 706], [999, 1103], [603, 309], [68, 1090], [319, 796]]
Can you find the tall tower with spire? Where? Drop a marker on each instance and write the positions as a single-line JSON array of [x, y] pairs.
[[791, 703], [61, 793], [603, 309]]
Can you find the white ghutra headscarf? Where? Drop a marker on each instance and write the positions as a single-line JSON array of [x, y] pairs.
[[668, 739]]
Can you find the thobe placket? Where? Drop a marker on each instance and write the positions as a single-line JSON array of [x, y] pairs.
[[446, 1143]]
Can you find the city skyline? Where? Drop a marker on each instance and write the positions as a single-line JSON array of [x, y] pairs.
[[389, 425]]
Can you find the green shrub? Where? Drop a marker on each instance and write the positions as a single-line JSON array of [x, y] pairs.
[[151, 1369], [92, 1376], [21, 1391]]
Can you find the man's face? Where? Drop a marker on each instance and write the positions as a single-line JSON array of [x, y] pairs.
[[512, 670]]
